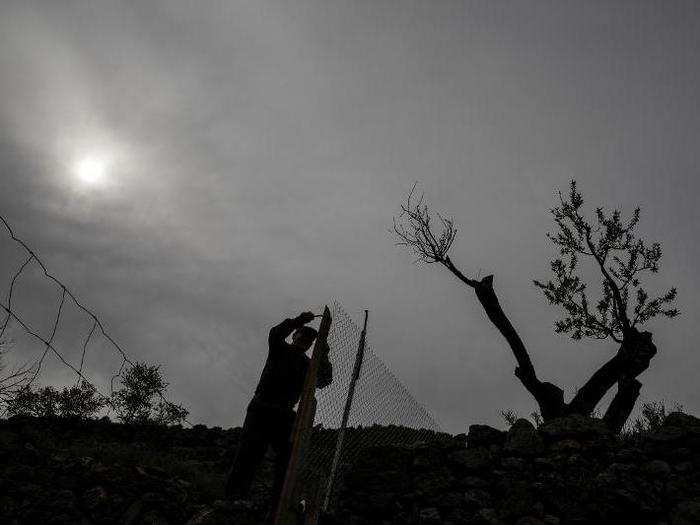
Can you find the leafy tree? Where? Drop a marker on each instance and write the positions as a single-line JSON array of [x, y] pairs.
[[78, 401], [141, 398], [624, 304]]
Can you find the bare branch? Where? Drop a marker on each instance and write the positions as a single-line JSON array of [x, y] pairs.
[[414, 229]]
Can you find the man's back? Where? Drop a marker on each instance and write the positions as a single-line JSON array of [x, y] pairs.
[[282, 378]]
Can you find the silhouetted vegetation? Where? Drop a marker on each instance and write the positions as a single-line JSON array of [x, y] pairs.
[[141, 398], [79, 401], [11, 381], [621, 258]]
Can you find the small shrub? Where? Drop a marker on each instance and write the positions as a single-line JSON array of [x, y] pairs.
[[652, 417], [140, 400], [80, 401], [511, 416]]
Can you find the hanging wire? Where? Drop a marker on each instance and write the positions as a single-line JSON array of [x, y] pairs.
[[66, 293]]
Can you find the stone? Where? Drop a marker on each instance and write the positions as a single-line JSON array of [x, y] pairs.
[[9, 441], [475, 499], [484, 436], [460, 440], [681, 420], [472, 459], [488, 517], [576, 427], [94, 497], [566, 445], [686, 513], [529, 520], [523, 440], [473, 482], [511, 463], [430, 516], [656, 468]]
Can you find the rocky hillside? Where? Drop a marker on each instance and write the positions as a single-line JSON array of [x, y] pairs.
[[567, 471]]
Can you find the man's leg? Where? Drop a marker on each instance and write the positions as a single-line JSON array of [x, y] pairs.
[[251, 451], [282, 445]]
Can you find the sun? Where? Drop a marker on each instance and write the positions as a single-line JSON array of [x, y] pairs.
[[91, 169]]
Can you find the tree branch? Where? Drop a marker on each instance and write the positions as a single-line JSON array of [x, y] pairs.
[[633, 358]]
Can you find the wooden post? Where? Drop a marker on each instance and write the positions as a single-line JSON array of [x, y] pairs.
[[346, 412], [302, 427]]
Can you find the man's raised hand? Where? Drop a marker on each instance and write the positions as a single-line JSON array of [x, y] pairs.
[[306, 317]]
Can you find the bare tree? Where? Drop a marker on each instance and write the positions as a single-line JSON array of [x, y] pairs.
[[13, 381], [624, 304]]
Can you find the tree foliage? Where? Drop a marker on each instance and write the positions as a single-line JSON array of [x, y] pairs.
[[79, 401], [651, 418], [141, 398], [11, 381], [622, 258]]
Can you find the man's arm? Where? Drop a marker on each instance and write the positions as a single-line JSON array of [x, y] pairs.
[[324, 375], [281, 331]]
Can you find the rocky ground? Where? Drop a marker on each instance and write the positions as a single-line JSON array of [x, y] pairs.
[[569, 471]]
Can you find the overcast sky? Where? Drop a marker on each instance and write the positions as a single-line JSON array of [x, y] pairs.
[[198, 171]]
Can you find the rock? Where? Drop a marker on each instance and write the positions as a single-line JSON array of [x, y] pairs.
[[460, 440], [683, 467], [94, 497], [430, 516], [530, 520], [488, 517], [153, 517], [686, 513], [9, 441], [576, 427], [545, 463], [511, 463], [566, 446], [681, 420], [472, 482], [471, 459], [523, 439], [656, 468], [484, 436], [131, 515], [475, 499]]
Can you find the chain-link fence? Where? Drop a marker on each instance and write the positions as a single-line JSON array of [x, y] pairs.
[[383, 412]]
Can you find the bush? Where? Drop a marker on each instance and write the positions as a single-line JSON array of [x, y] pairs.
[[141, 400], [652, 417], [79, 401], [511, 416]]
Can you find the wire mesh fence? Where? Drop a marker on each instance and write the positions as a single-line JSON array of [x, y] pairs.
[[78, 336], [383, 412]]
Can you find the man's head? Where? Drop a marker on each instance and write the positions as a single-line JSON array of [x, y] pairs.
[[304, 337]]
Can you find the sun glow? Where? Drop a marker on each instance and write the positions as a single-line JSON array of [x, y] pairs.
[[91, 169]]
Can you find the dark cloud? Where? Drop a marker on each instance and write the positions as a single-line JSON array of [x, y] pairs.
[[259, 150]]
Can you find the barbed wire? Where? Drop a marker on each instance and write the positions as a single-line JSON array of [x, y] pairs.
[[66, 293]]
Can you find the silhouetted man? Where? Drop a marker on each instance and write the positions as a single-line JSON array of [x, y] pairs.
[[270, 415]]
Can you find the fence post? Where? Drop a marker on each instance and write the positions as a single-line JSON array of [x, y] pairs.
[[302, 426], [346, 412]]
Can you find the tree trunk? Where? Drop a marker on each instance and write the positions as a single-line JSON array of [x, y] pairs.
[[633, 357], [549, 397], [622, 404]]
